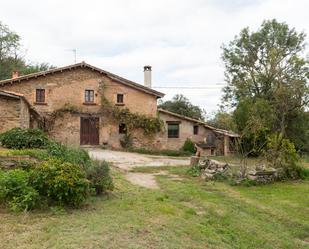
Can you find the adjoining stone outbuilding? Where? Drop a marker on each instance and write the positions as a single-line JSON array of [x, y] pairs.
[[210, 140], [68, 103], [16, 111]]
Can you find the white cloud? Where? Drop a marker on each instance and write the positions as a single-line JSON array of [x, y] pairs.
[[181, 39]]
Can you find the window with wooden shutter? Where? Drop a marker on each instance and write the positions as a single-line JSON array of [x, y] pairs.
[[89, 96], [40, 96]]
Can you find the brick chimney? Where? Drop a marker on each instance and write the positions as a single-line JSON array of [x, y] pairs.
[[15, 74], [147, 76]]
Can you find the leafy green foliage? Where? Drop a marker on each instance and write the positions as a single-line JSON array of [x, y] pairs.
[[99, 177], [62, 182], [181, 105], [72, 155], [11, 57], [223, 120], [16, 190], [267, 78], [281, 154], [188, 146], [126, 142], [149, 125], [59, 178], [304, 173], [18, 138], [194, 171]]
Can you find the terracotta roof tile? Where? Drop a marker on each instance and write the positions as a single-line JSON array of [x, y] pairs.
[[84, 65]]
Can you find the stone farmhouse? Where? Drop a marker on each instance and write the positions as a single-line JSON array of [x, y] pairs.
[[67, 103]]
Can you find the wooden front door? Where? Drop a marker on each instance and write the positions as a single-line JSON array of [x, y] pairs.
[[89, 131]]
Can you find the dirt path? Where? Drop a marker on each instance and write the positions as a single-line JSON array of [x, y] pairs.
[[127, 161]]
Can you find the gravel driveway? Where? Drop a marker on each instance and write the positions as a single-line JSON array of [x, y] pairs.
[[126, 161]]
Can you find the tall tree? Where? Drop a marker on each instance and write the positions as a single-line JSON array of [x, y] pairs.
[[266, 70], [181, 105], [11, 58], [223, 120]]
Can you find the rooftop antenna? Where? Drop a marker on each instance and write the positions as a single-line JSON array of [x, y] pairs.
[[74, 52]]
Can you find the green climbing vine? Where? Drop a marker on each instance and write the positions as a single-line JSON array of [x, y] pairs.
[[50, 119], [150, 125]]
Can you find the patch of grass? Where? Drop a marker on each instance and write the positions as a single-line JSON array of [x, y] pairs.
[[172, 153], [179, 170], [183, 214]]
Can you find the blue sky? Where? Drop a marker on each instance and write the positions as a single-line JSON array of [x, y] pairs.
[[180, 39]]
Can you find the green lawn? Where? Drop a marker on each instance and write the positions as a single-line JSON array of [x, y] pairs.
[[185, 213]]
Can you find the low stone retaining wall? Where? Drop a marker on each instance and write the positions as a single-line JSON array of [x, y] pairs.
[[11, 162], [209, 168], [263, 176]]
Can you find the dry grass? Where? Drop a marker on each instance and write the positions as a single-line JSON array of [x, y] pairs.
[[190, 213]]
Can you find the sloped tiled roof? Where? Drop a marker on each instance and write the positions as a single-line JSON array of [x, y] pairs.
[[84, 65]]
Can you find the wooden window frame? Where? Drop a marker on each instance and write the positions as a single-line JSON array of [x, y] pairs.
[[176, 134], [89, 96], [120, 98], [195, 129], [40, 97]]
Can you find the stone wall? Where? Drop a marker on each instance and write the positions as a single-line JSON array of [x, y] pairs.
[[185, 131], [69, 87], [24, 114], [9, 113], [66, 129]]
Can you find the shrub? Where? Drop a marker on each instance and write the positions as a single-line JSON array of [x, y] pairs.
[[220, 177], [62, 182], [304, 173], [99, 177], [16, 191], [281, 154], [18, 138], [188, 146], [194, 171], [126, 142], [66, 154]]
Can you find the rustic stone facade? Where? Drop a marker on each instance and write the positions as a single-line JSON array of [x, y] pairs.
[[69, 87], [15, 112], [65, 88], [9, 113], [186, 130], [209, 141]]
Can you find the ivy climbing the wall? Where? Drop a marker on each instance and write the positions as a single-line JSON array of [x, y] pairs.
[[150, 125]]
